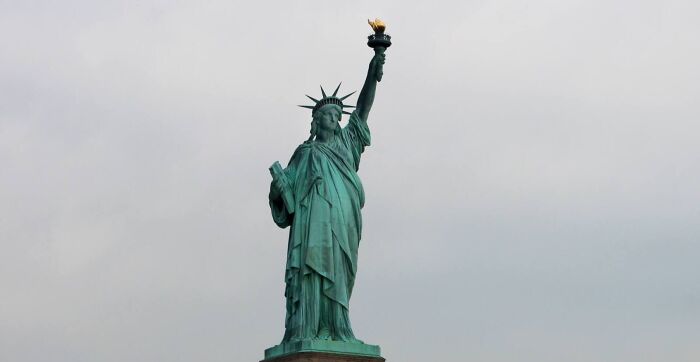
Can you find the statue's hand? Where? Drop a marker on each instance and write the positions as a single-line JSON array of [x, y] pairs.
[[377, 64], [276, 189]]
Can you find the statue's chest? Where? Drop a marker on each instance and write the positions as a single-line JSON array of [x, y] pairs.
[[333, 151]]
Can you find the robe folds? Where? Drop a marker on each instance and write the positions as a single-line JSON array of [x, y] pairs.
[[325, 233]]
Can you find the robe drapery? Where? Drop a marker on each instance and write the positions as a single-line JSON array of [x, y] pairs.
[[325, 233]]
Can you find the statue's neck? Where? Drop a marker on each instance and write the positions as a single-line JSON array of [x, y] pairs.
[[325, 136]]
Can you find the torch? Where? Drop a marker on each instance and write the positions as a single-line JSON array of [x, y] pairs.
[[378, 41]]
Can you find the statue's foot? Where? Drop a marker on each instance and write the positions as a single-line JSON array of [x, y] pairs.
[[324, 334], [348, 339]]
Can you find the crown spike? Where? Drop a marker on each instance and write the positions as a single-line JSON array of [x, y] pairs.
[[312, 98], [348, 106], [309, 107], [343, 98], [336, 89], [323, 92], [344, 112]]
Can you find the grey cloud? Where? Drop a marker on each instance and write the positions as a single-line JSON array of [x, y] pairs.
[[531, 187]]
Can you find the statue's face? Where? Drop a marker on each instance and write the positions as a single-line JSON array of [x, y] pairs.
[[327, 117]]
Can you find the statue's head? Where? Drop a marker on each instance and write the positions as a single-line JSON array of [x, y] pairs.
[[326, 112], [326, 118]]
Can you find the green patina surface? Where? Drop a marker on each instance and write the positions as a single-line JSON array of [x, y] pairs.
[[319, 196], [358, 349]]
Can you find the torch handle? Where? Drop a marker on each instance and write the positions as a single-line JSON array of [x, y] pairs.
[[378, 66]]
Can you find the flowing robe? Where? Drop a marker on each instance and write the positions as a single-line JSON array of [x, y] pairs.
[[325, 233]]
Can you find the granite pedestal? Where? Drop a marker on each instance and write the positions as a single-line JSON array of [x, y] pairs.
[[323, 351]]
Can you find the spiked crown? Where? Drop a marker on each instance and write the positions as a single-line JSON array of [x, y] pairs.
[[333, 99]]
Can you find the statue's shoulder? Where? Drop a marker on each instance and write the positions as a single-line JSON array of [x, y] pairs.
[[304, 146], [300, 149]]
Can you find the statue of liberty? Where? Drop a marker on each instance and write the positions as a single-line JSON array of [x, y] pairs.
[[319, 196]]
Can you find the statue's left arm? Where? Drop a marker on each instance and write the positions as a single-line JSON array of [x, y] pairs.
[[280, 213], [374, 75]]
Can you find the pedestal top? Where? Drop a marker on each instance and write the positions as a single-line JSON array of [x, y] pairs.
[[324, 347]]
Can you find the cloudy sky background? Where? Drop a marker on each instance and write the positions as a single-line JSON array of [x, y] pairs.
[[532, 188]]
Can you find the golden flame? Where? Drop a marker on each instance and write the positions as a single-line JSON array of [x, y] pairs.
[[377, 25]]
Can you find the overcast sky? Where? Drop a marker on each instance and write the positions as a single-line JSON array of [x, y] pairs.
[[533, 187]]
